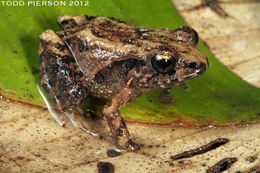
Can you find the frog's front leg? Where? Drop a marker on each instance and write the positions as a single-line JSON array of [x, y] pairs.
[[115, 121]]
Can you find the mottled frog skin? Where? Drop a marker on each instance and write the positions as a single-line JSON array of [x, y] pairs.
[[107, 58]]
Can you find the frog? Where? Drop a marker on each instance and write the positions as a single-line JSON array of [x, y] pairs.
[[106, 58]]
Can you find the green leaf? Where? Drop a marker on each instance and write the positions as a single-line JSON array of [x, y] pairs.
[[217, 97]]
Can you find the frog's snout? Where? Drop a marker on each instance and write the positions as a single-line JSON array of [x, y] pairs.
[[203, 66], [191, 69]]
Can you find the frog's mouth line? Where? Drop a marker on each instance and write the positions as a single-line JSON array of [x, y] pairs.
[[190, 72]]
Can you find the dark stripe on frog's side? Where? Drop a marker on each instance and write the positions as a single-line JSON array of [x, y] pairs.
[[123, 66], [111, 79]]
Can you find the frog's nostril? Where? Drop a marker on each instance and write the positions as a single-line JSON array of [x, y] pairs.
[[201, 68]]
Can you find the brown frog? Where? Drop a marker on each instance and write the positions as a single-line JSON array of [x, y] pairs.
[[107, 58]]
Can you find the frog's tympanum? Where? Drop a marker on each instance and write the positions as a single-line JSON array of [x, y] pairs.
[[107, 58]]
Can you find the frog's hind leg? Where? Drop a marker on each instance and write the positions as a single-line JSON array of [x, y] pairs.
[[60, 76], [68, 21]]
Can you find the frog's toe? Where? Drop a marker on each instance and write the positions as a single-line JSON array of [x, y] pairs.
[[131, 146]]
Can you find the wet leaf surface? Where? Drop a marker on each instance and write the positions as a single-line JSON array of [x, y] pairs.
[[31, 141]]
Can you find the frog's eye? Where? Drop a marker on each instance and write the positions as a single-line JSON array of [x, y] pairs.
[[163, 63]]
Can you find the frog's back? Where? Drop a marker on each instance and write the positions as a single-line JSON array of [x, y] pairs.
[[101, 41]]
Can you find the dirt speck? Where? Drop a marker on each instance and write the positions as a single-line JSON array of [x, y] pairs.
[[19, 158], [19, 130], [113, 153], [25, 69], [250, 159], [255, 169], [171, 164], [180, 161], [37, 155], [214, 6], [222, 165], [35, 71], [201, 150], [166, 99], [105, 167], [184, 86]]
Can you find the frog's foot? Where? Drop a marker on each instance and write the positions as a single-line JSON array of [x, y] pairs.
[[119, 130], [130, 145], [68, 21]]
